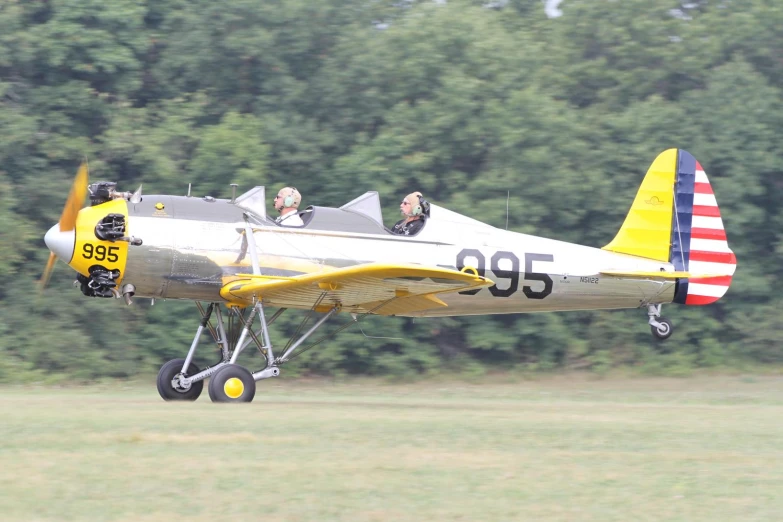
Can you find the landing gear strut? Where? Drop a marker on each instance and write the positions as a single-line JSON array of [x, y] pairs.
[[661, 328], [180, 379]]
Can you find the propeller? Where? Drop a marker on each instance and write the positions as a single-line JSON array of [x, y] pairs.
[[48, 270], [67, 221]]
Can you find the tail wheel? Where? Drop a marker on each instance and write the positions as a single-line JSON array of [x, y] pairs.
[[232, 383], [170, 386], [664, 329]]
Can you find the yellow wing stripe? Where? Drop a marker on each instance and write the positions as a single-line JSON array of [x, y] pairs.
[[358, 288]]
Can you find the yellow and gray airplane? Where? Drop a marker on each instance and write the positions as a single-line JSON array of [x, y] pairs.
[[227, 253]]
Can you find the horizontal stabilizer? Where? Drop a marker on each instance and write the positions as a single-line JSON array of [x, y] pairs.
[[380, 288]]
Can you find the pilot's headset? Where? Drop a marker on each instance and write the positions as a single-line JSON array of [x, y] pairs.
[[419, 205], [292, 199]]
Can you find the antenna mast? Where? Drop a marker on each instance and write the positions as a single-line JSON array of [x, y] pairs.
[[508, 196]]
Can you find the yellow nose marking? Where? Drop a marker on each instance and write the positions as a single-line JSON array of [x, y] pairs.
[[89, 250]]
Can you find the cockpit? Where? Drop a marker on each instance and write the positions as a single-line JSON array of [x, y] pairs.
[[361, 215]]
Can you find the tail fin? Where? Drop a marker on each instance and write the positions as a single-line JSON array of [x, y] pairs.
[[675, 218]]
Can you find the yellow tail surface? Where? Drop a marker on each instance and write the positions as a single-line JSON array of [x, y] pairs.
[[647, 229]]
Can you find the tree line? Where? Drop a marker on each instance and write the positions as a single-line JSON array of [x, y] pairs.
[[466, 101]]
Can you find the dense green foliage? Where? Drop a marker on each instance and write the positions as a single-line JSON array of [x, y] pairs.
[[460, 100]]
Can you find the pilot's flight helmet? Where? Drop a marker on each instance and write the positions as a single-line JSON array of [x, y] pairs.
[[289, 198]]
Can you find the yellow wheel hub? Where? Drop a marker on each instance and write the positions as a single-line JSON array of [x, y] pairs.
[[233, 388]]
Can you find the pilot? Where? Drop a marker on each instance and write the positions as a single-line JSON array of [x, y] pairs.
[[414, 209], [286, 203]]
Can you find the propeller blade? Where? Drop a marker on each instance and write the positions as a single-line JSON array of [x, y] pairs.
[[68, 218], [48, 270], [75, 199]]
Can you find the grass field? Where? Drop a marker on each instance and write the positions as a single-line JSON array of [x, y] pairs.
[[556, 449]]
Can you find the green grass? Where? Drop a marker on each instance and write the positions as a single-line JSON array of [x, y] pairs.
[[707, 448]]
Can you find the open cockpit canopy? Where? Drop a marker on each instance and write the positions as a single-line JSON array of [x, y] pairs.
[[361, 215]]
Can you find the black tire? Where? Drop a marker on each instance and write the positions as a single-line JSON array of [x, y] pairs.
[[170, 370], [664, 331], [232, 383]]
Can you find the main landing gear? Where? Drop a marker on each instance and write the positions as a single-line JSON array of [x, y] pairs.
[[661, 328], [181, 380]]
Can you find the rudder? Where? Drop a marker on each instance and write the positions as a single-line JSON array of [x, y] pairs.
[[675, 218], [699, 243]]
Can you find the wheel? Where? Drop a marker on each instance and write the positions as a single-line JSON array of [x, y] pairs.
[[664, 331], [232, 383], [168, 383]]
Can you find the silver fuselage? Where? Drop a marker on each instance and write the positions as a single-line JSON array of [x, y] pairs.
[[191, 247]]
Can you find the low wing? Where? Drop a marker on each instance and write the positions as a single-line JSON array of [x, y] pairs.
[[380, 288]]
